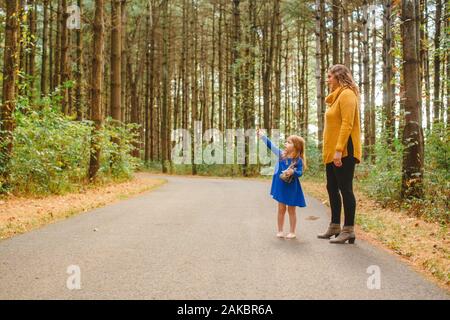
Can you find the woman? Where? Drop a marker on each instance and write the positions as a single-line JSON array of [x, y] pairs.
[[341, 151]]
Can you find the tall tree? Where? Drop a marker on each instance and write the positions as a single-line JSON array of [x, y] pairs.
[[44, 73], [320, 67], [412, 133], [335, 37], [79, 70], [372, 87], [388, 74], [236, 64], [10, 69], [96, 87], [31, 44], [366, 81], [165, 83], [426, 61], [64, 59], [276, 115], [346, 29], [116, 59], [437, 62]]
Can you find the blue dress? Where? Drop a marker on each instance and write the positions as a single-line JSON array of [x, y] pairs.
[[290, 194]]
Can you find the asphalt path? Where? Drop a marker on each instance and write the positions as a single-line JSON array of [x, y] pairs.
[[200, 238]]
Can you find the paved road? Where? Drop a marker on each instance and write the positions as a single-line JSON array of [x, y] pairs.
[[199, 238]]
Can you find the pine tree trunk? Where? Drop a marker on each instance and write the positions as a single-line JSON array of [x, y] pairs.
[[426, 63], [32, 15], [64, 59], [320, 68], [277, 89], [116, 59], [236, 64], [346, 28], [437, 62], [44, 73], [96, 87], [221, 72], [366, 83], [79, 73], [372, 89], [165, 84], [412, 134], [335, 36], [8, 91], [148, 84], [213, 67], [194, 79], [388, 75]]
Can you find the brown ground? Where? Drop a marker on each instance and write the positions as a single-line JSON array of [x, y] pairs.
[[424, 245], [22, 214]]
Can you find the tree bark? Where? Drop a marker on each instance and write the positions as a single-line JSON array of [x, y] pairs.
[[366, 82], [96, 87], [116, 59], [64, 60], [412, 134], [44, 73], [388, 75], [165, 84], [79, 72], [10, 69], [320, 68], [437, 62], [335, 36]]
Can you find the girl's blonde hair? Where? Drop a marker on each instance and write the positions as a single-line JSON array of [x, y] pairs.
[[344, 77], [299, 148]]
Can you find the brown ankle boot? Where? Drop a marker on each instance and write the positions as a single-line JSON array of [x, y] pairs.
[[347, 234], [333, 230]]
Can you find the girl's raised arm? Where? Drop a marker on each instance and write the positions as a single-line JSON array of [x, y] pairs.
[[271, 146]]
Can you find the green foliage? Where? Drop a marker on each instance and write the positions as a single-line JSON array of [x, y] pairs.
[[51, 151], [315, 167], [117, 144], [383, 178]]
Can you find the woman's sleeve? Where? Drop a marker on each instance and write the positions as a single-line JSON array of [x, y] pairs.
[[298, 170], [348, 106], [270, 145]]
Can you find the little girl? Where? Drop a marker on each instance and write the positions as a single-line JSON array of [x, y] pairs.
[[288, 195]]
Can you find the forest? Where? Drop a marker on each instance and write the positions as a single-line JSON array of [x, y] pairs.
[[93, 89]]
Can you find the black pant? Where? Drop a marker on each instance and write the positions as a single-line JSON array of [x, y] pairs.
[[341, 179]]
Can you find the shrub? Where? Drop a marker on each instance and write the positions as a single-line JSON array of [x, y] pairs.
[[51, 151]]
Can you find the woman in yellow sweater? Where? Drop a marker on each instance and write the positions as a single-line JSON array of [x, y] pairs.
[[341, 151]]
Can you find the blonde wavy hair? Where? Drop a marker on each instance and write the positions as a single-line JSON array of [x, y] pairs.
[[344, 77]]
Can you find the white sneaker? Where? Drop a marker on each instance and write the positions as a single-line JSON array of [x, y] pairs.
[[291, 236], [280, 234]]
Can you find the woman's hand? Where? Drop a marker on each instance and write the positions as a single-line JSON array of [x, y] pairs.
[[337, 160], [289, 172]]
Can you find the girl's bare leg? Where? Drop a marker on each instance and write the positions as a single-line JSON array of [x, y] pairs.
[[281, 212], [292, 218]]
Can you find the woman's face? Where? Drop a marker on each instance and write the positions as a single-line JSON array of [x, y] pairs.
[[332, 81]]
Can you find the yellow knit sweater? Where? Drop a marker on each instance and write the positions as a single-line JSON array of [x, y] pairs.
[[341, 122]]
